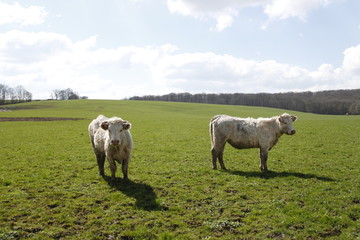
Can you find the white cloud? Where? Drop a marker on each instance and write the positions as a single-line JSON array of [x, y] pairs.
[[222, 11], [225, 11], [210, 72], [351, 62], [282, 9], [224, 21], [15, 13], [42, 62]]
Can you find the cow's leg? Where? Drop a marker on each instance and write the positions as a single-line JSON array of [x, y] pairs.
[[221, 160], [124, 166], [112, 168], [217, 153], [217, 150], [214, 157], [100, 157], [263, 159]]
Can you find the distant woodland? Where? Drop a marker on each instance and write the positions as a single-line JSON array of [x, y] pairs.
[[336, 102], [14, 95]]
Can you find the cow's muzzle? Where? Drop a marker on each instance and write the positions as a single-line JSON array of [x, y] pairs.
[[292, 132], [115, 142]]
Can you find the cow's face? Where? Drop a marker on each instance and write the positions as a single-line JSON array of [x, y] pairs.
[[286, 123], [114, 130]]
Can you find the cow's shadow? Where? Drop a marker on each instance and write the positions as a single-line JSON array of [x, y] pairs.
[[272, 174], [146, 198]]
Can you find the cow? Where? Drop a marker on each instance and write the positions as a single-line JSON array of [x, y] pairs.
[[111, 139], [243, 133]]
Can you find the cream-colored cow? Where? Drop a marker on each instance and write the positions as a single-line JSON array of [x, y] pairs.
[[111, 139], [245, 133]]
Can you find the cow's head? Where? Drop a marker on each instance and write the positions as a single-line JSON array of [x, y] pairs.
[[286, 123], [114, 128]]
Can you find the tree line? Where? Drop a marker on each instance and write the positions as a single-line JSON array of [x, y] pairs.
[[9, 95], [14, 94], [65, 94], [336, 102]]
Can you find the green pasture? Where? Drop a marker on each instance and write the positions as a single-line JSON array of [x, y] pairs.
[[50, 187]]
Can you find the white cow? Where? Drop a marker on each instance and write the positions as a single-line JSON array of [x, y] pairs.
[[245, 133], [111, 139]]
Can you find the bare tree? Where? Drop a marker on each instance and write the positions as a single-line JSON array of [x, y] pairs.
[[65, 94], [13, 95], [22, 94], [55, 94], [3, 92]]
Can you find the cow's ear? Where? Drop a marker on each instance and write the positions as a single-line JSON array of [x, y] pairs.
[[104, 125], [293, 118], [126, 125], [281, 119]]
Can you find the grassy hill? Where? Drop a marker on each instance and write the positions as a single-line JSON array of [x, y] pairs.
[[50, 187]]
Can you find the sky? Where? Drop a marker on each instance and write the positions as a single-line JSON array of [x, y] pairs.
[[115, 49]]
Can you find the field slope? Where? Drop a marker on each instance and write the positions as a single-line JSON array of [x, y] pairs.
[[50, 187]]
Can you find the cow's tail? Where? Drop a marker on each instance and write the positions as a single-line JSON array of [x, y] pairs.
[[212, 129]]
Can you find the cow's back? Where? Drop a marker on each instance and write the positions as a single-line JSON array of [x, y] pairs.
[[230, 124], [238, 132]]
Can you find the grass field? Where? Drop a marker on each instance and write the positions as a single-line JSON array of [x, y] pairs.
[[50, 187]]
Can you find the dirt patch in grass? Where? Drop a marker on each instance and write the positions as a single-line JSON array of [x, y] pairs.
[[33, 119]]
